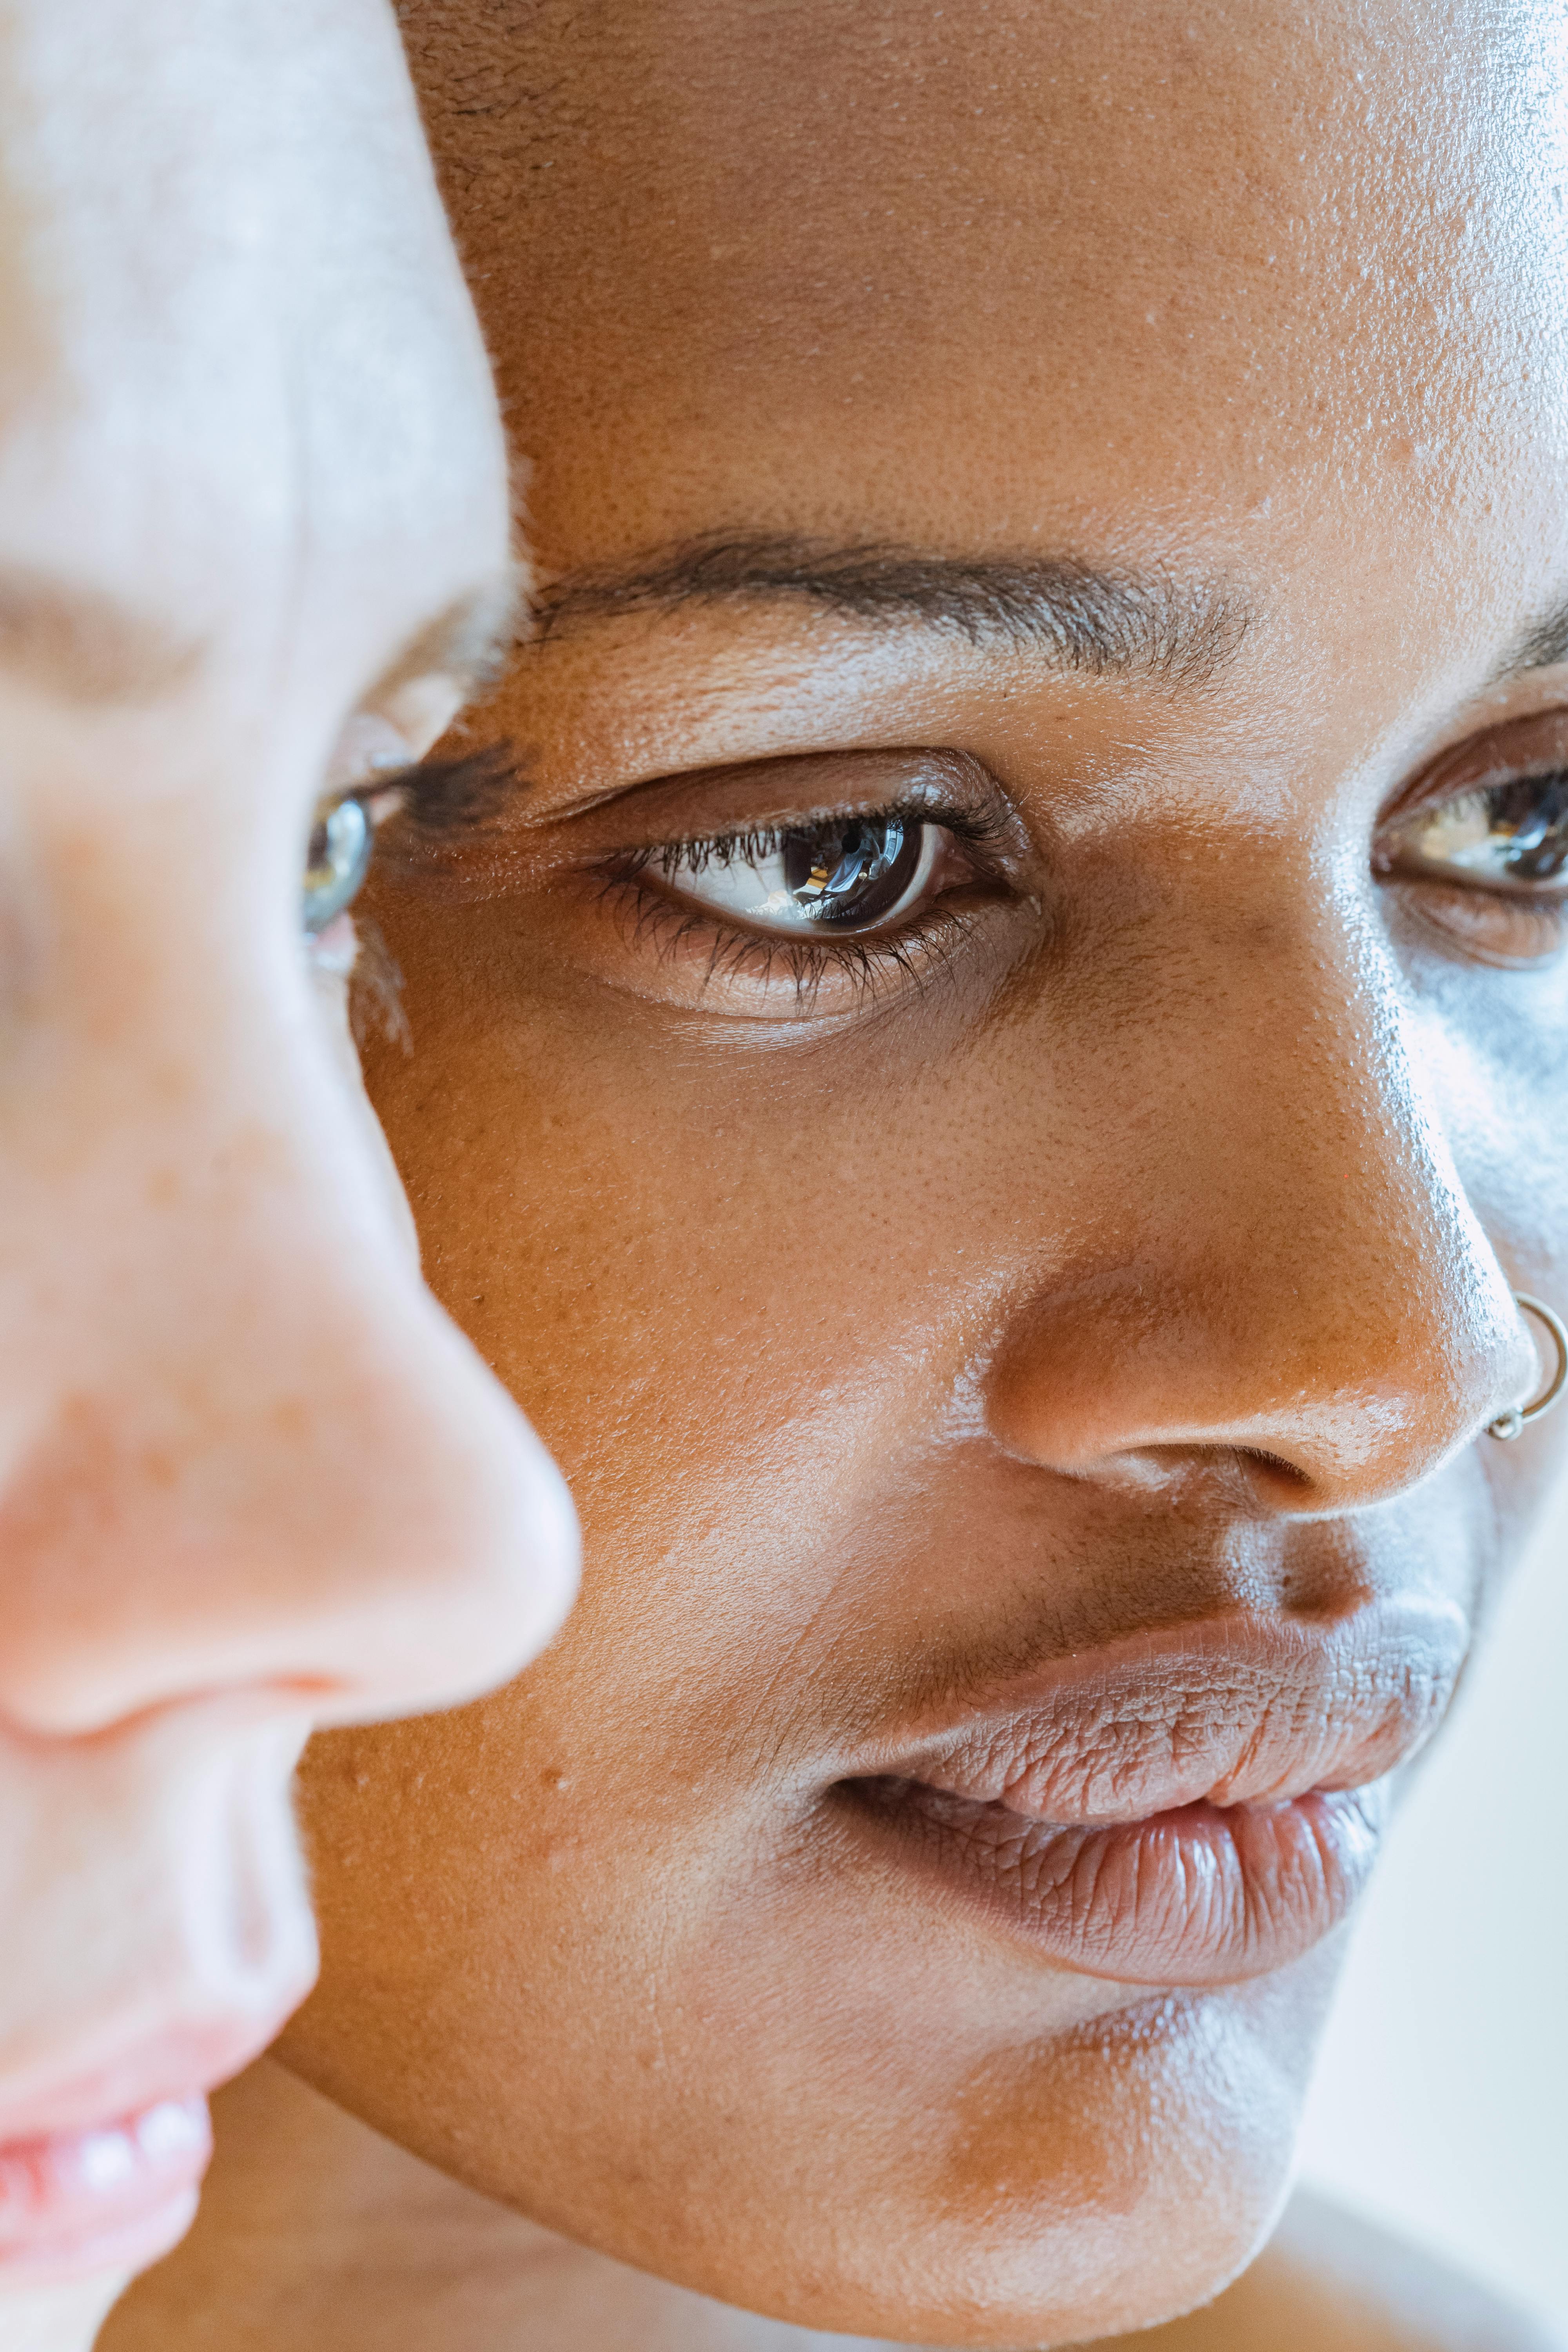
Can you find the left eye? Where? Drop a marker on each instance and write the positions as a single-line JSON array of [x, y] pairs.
[[336, 862], [849, 874], [1511, 836]]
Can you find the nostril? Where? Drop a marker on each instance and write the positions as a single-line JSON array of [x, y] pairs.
[[1277, 1471], [1247, 1473]]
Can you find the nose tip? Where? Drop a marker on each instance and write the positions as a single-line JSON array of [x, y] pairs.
[[480, 1535], [347, 1510], [1307, 1401]]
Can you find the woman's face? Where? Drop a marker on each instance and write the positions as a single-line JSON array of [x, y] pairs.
[[252, 529], [986, 1082]]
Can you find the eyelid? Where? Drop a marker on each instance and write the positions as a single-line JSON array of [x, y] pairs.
[[766, 835], [715, 801], [1502, 754]]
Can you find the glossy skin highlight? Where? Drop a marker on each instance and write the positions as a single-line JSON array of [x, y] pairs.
[[255, 499], [1133, 1259]]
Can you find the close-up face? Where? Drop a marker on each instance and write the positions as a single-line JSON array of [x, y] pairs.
[[989, 1005], [254, 536]]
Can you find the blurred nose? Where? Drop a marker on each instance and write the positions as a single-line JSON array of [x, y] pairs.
[[243, 1449], [1275, 1264]]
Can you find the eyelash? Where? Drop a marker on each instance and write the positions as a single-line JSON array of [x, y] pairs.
[[438, 806], [439, 801], [918, 952]]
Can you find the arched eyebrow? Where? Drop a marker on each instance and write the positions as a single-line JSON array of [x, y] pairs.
[[1083, 617]]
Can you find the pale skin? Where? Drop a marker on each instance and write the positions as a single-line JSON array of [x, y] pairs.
[[255, 535], [1145, 431]]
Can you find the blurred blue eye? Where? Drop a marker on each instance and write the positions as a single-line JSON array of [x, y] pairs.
[[337, 861]]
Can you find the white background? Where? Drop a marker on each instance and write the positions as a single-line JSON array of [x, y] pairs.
[[1441, 2105]]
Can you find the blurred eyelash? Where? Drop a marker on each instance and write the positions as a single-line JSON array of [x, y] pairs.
[[436, 801], [375, 991]]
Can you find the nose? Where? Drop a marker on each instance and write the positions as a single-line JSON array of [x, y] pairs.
[[243, 1449], [1274, 1264]]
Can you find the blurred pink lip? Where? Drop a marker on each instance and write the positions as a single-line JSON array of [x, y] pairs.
[[1189, 1807], [99, 2171], [115, 2196], [129, 2072]]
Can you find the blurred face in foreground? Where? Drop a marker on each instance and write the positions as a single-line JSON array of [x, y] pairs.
[[1013, 1017], [253, 537]]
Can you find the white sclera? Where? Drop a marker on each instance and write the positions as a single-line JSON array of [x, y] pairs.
[[758, 890]]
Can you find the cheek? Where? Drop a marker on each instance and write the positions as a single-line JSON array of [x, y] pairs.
[[685, 1255]]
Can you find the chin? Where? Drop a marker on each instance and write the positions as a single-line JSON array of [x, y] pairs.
[[1105, 2181]]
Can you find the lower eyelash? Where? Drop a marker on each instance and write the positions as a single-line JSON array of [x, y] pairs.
[[919, 954]]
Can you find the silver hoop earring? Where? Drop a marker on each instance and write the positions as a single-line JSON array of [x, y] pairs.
[[1509, 1423]]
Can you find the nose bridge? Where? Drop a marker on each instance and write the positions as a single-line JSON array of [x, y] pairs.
[[253, 1452], [1284, 1262]]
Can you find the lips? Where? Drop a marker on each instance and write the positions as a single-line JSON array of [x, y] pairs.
[[1191, 1807], [116, 2196]]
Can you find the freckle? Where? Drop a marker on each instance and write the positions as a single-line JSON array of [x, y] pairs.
[[159, 1466], [163, 1188], [288, 1418]]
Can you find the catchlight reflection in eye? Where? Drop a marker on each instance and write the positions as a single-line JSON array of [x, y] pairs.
[[337, 861], [845, 874]]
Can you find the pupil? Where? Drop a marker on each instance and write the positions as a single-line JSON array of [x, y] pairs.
[[849, 874], [1533, 815]]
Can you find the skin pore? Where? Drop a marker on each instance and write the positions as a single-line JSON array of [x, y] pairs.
[[1122, 448]]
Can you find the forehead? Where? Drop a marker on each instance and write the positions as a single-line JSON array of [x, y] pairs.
[[1012, 269], [238, 375]]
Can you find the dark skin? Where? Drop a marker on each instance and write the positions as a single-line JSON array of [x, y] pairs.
[[1145, 435]]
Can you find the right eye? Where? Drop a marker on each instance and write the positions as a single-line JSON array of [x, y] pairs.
[[1510, 835], [342, 839], [851, 875]]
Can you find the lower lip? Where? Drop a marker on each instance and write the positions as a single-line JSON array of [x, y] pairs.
[[1204, 1894], [113, 2198]]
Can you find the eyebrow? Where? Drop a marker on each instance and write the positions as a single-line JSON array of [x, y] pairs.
[[1543, 645], [83, 646], [1084, 619]]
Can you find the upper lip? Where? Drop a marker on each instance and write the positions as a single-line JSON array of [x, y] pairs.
[[1244, 1709], [127, 2079]]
